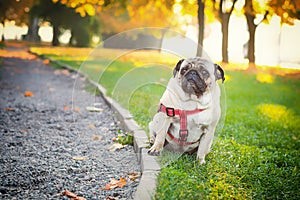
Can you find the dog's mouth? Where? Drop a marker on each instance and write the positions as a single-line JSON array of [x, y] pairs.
[[193, 84]]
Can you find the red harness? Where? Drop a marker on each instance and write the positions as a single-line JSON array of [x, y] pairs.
[[183, 132]]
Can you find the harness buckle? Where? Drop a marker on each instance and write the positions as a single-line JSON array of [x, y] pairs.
[[170, 112], [183, 134]]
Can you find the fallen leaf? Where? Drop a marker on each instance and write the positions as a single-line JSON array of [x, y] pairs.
[[115, 183], [94, 109], [92, 126], [111, 198], [10, 109], [24, 131], [294, 138], [116, 146], [62, 71], [76, 109], [52, 89], [66, 108], [19, 70], [71, 195], [46, 62], [28, 94], [132, 176], [97, 137], [79, 158]]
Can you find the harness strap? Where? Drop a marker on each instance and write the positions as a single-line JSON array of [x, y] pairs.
[[180, 142], [183, 132]]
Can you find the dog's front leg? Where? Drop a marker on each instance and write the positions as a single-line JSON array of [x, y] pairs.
[[158, 128], [205, 144]]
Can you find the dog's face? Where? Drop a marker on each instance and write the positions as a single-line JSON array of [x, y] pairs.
[[196, 75]]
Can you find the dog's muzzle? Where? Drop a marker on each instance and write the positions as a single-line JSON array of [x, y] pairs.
[[193, 83]]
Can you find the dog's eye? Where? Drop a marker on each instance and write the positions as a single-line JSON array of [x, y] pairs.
[[183, 71], [204, 72]]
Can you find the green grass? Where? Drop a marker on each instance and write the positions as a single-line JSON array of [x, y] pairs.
[[255, 156]]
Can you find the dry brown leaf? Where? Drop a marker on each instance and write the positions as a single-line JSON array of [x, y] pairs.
[[116, 146], [115, 183], [46, 62], [24, 131], [66, 108], [19, 70], [28, 94], [76, 109], [52, 89], [62, 71], [71, 195], [97, 137], [94, 109], [133, 176], [92, 126], [10, 109], [111, 198], [79, 158]]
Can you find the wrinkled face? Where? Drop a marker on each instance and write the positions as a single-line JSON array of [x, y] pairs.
[[197, 74]]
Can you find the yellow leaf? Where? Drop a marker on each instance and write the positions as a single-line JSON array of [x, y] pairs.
[[90, 10], [81, 11]]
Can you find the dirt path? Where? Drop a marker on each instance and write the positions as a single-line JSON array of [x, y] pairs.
[[49, 141]]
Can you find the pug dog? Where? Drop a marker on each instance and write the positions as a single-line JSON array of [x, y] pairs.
[[189, 109]]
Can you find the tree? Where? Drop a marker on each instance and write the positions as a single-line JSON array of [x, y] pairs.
[[287, 10], [33, 29], [251, 10], [224, 9], [15, 10], [61, 17], [200, 16]]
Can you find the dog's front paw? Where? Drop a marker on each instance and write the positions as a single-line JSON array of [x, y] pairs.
[[154, 151], [201, 160]]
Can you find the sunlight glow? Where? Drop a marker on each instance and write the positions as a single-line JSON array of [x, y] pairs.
[[177, 8], [277, 113], [264, 78]]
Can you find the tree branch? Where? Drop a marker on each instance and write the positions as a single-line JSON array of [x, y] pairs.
[[232, 7], [265, 17]]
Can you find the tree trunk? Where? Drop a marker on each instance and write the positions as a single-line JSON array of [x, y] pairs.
[[55, 41], [163, 33], [200, 27], [251, 43], [225, 24], [2, 37], [33, 30]]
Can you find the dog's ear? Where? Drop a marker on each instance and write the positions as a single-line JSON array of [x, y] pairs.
[[177, 68], [219, 73]]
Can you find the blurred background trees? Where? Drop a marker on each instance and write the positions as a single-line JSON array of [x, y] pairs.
[[86, 19]]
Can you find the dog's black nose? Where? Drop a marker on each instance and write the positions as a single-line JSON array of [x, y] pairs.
[[193, 73]]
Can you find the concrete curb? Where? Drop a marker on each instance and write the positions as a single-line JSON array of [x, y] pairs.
[[149, 165]]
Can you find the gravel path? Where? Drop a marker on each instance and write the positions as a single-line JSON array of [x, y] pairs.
[[50, 142]]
